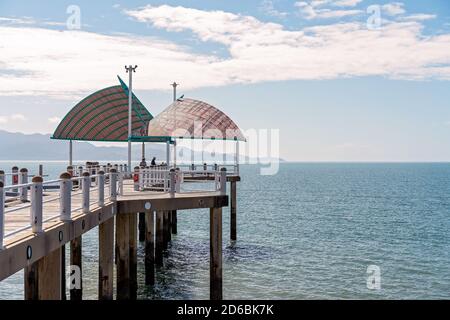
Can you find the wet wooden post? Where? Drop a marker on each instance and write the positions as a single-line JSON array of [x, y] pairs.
[[123, 255], [133, 254], [174, 221], [166, 231], [49, 276], [63, 272], [106, 259], [233, 205], [159, 238], [149, 248], [141, 226], [31, 285], [75, 260], [215, 272]]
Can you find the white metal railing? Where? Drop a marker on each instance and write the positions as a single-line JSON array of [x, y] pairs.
[[203, 169], [31, 195], [164, 180]]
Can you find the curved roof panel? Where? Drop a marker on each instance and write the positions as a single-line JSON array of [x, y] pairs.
[[194, 119], [103, 116]]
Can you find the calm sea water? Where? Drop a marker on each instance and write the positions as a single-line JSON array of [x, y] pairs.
[[309, 232]]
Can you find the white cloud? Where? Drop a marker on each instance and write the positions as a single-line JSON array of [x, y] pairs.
[[54, 120], [15, 20], [393, 9], [18, 116], [419, 17], [12, 117], [346, 3], [316, 10], [268, 7], [62, 63]]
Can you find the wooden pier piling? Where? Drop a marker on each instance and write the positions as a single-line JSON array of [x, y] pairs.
[[76, 260], [215, 234], [149, 248], [123, 255], [43, 278], [233, 210], [106, 259], [168, 228], [159, 238], [31, 284], [174, 222], [133, 254], [141, 226]]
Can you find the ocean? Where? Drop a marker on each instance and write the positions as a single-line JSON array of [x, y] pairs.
[[309, 232]]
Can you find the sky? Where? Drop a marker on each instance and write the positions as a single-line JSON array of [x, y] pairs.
[[342, 80]]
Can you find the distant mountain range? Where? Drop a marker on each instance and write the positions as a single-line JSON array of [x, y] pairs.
[[20, 146]]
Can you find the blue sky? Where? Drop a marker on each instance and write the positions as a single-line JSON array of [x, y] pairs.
[[337, 88]]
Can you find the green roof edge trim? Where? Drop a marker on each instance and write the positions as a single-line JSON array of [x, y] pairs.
[[125, 88]]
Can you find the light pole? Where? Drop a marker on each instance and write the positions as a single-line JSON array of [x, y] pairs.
[[175, 85], [130, 69]]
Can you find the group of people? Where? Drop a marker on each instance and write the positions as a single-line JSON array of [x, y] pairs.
[[144, 163]]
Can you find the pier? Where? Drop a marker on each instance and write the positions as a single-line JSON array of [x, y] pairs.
[[38, 218]]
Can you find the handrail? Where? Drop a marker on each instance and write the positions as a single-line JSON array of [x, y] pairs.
[[113, 182], [107, 184]]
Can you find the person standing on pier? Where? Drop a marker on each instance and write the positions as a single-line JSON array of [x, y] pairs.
[[153, 163]]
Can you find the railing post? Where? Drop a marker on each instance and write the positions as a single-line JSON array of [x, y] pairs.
[[94, 172], [101, 188], [172, 182], [2, 177], [178, 180], [113, 184], [86, 191], [136, 178], [223, 181], [120, 182], [65, 197], [23, 179], [141, 178], [14, 177], [2, 213], [70, 170], [36, 204]]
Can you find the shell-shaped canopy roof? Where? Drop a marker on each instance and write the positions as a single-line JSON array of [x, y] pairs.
[[103, 116], [193, 119]]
